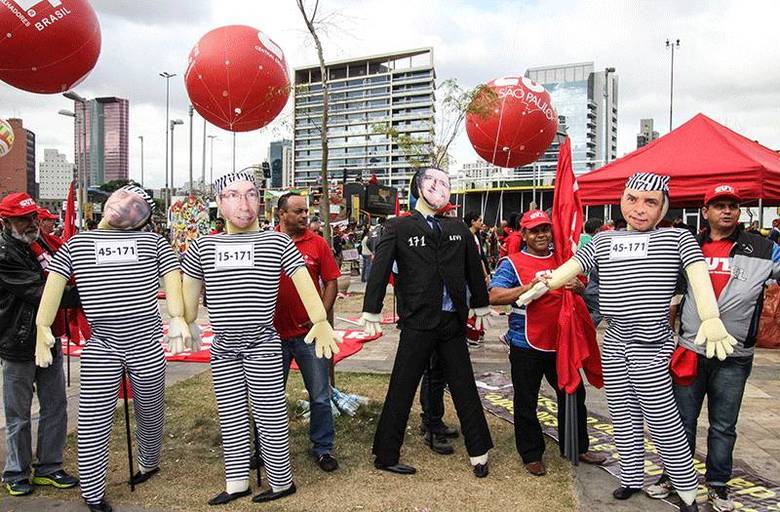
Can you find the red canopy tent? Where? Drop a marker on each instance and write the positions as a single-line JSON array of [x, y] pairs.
[[697, 155]]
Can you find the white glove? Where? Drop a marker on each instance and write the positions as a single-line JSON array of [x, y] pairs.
[[481, 317], [44, 341], [371, 323], [178, 335], [534, 293], [719, 341], [195, 340], [325, 340]]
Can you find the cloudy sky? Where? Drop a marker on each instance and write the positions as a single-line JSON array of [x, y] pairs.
[[728, 66]]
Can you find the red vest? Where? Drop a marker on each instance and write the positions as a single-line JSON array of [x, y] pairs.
[[541, 315]]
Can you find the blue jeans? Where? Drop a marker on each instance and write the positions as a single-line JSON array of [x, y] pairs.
[[724, 384], [316, 376], [20, 380], [366, 268]]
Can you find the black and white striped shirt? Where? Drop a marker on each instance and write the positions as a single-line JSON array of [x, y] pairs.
[[241, 275], [117, 273], [638, 272]]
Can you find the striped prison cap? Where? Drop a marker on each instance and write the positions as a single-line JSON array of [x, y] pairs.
[[648, 182], [143, 194], [233, 177]]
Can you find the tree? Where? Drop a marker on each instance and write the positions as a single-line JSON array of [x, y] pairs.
[[313, 22], [114, 185]]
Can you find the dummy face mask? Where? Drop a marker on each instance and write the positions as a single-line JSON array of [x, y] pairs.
[[643, 210], [434, 187], [239, 203], [126, 210]]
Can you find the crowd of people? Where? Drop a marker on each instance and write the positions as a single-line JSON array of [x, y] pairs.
[[681, 309]]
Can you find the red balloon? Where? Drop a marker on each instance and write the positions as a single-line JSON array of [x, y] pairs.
[[47, 46], [511, 122], [237, 78]]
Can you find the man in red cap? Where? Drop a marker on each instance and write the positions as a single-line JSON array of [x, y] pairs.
[[21, 285], [46, 221], [739, 265], [532, 341]]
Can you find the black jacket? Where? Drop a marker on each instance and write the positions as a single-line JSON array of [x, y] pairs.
[[21, 287], [426, 262]]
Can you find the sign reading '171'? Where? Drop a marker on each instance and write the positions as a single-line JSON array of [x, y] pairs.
[[115, 251], [628, 247], [234, 256]]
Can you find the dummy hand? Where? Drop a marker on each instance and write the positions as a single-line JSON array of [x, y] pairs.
[[44, 341], [371, 323], [325, 340], [534, 293], [719, 341], [481, 317], [178, 335]]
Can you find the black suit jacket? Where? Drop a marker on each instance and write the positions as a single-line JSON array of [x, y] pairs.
[[426, 262]]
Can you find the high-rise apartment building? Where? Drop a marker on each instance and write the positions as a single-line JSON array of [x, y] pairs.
[[646, 133], [107, 129], [367, 96], [17, 168], [277, 161], [587, 100], [55, 174]]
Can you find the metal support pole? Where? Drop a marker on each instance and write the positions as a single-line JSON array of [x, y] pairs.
[[203, 167], [141, 137], [127, 430], [192, 110], [234, 151]]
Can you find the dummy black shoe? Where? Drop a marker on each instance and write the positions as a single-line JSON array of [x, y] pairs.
[[439, 444], [103, 506], [271, 495], [444, 430], [140, 478], [623, 493], [398, 468], [225, 497], [481, 470], [693, 507]]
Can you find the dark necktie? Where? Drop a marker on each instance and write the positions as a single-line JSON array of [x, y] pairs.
[[434, 224]]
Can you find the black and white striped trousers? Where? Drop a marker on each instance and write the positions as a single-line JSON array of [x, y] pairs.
[[240, 367], [639, 389], [102, 363]]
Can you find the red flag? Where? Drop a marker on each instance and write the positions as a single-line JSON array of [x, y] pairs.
[[577, 347], [397, 206], [70, 215]]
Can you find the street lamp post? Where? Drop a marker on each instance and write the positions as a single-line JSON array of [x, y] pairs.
[[607, 116], [82, 174], [141, 138], [671, 45], [211, 165], [203, 163], [192, 110], [173, 124], [167, 77]]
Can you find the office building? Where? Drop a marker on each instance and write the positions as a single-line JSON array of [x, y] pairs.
[[646, 133], [55, 174], [107, 129], [587, 100], [288, 174], [17, 168], [367, 96], [277, 161]]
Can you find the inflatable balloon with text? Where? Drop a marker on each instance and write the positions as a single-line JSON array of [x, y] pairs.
[[47, 46], [237, 78], [6, 138], [511, 122]]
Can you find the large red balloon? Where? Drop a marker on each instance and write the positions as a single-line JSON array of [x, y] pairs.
[[47, 46], [511, 122], [237, 78]]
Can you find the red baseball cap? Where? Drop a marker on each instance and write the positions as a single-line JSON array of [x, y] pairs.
[[720, 191], [533, 218], [17, 205], [43, 213]]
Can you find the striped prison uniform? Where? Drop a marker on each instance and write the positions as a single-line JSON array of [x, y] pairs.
[[638, 272], [241, 275], [118, 277]]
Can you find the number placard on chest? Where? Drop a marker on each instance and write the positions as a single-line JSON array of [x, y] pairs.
[[115, 251], [633, 247], [234, 256]]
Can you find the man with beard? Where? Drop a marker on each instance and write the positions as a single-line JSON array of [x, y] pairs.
[[22, 282]]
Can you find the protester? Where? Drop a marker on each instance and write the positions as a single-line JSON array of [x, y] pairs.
[[365, 254], [514, 240], [755, 228], [316, 226], [22, 281], [739, 265], [774, 234], [292, 323], [474, 223], [590, 228], [502, 232], [219, 226], [533, 342]]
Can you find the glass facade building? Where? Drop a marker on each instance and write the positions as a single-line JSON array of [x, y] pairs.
[[367, 97], [276, 158], [107, 129]]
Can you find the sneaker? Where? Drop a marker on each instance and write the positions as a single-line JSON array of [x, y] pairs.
[[19, 488], [58, 479], [661, 489], [718, 496], [473, 344], [327, 463]]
